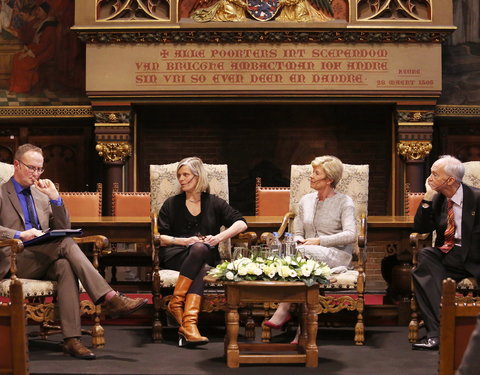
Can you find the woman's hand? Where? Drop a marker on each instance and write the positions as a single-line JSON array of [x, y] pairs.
[[311, 241], [188, 240], [212, 240]]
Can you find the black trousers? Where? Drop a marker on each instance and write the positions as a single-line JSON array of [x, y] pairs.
[[433, 267]]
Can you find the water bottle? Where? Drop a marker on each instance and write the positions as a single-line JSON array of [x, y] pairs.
[[275, 245], [290, 248]]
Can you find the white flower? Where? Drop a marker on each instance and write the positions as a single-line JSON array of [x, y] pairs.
[[253, 269], [229, 275], [242, 270], [269, 270], [284, 271], [230, 266], [307, 269], [293, 273]]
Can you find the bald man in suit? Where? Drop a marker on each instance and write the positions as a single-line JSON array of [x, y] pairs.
[[28, 207], [452, 209]]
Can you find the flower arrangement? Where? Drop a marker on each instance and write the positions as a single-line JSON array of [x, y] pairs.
[[272, 268]]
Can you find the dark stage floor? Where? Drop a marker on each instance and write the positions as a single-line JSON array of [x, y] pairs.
[[129, 350]]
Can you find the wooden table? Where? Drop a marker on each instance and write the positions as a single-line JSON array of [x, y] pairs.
[[131, 229], [267, 291], [136, 229]]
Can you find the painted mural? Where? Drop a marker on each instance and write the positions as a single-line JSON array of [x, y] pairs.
[[42, 62], [461, 56]]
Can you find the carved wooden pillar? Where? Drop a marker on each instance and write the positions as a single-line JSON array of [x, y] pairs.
[[415, 129], [112, 132]]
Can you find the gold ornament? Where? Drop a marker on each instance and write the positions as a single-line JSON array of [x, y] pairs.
[[414, 150], [113, 152]]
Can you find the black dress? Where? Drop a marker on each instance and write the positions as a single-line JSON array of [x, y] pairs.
[[175, 220]]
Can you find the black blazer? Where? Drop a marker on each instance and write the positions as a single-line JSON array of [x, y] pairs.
[[434, 217]]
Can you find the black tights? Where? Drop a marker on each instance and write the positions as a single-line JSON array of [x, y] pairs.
[[195, 266]]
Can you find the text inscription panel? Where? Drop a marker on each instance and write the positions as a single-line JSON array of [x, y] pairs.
[[232, 67]]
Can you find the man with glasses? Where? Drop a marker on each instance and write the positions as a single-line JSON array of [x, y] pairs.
[[452, 209], [29, 206]]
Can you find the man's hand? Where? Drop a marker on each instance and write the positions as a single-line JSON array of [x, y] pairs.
[[30, 234], [47, 187], [430, 192]]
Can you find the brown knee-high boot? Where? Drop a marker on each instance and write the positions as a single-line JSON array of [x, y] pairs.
[[188, 332], [175, 306]]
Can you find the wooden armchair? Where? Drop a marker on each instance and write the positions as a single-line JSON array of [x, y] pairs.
[[354, 183], [83, 203], [457, 321], [13, 345], [42, 309], [36, 292], [129, 204], [411, 201], [164, 184], [271, 201], [419, 240]]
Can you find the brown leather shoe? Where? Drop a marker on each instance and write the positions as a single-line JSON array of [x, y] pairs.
[[75, 348], [120, 305]]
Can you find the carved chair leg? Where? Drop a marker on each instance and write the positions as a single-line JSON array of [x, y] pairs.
[[360, 326], [250, 324], [98, 333], [266, 331], [157, 301], [413, 325]]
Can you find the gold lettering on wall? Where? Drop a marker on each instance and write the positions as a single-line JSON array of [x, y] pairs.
[[312, 67]]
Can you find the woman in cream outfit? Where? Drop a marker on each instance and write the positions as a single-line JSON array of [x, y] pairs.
[[324, 227]]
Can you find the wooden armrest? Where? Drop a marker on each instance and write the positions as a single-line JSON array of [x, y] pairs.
[[154, 229], [16, 246], [286, 219], [249, 237], [100, 244], [362, 236], [415, 238], [14, 243]]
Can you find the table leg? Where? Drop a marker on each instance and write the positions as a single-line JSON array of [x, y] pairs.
[[232, 349], [311, 349]]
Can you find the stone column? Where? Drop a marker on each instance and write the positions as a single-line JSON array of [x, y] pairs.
[[415, 129], [112, 133]]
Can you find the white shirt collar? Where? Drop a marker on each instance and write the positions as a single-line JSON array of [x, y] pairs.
[[458, 196]]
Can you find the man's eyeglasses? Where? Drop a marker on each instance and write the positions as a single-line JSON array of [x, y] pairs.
[[31, 168]]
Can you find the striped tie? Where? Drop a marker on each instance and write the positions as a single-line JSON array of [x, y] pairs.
[[449, 236]]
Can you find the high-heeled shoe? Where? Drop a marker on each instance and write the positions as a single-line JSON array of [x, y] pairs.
[[282, 325]]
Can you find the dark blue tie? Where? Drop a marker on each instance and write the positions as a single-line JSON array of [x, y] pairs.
[[31, 212]]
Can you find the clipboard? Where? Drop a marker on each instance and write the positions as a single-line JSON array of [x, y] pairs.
[[52, 234]]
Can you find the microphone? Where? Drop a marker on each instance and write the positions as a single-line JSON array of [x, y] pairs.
[[443, 183]]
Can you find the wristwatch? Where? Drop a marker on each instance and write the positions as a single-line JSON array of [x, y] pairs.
[[426, 204]]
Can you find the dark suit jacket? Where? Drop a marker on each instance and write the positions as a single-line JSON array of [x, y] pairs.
[[435, 218], [12, 219]]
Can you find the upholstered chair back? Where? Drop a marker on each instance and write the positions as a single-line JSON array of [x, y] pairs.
[[472, 173], [6, 172], [130, 203], [83, 203], [164, 184], [271, 201], [354, 183]]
